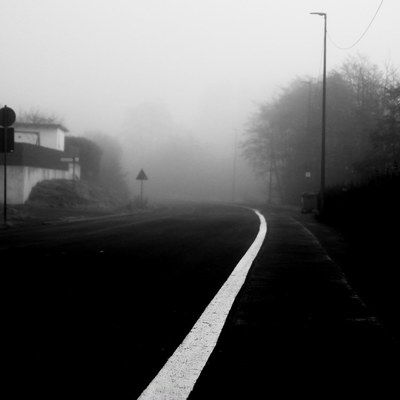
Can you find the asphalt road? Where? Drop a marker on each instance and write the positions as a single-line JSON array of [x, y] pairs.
[[298, 329], [98, 305]]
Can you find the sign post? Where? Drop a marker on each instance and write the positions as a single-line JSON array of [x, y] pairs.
[[7, 118], [73, 160], [141, 177]]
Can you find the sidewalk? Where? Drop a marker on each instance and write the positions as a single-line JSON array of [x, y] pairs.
[[298, 329]]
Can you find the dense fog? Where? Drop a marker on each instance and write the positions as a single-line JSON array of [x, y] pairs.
[[202, 162], [175, 83]]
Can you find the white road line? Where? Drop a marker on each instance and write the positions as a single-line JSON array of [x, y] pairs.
[[177, 378]]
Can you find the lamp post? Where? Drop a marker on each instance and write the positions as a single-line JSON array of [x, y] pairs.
[[322, 189]]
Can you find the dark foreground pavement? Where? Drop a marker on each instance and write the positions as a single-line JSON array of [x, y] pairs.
[[298, 329], [106, 327]]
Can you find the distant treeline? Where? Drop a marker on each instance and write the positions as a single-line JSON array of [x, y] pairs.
[[99, 158], [283, 138]]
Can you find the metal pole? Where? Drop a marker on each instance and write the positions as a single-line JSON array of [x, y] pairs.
[[234, 168], [271, 167], [270, 182], [73, 169], [322, 188], [322, 194], [5, 177]]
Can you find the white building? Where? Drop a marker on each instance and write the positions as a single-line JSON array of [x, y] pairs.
[[46, 135], [38, 155]]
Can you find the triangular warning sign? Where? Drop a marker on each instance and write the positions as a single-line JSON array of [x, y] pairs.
[[142, 176]]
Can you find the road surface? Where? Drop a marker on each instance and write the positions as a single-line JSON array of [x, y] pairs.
[[100, 304], [96, 307]]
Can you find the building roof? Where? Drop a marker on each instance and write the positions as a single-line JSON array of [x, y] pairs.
[[41, 125]]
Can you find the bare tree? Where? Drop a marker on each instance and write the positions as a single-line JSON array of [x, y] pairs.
[[36, 116]]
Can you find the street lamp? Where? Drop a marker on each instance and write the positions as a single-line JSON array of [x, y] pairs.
[[322, 189]]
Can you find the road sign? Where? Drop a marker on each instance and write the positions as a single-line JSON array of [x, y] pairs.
[[9, 139], [69, 159], [142, 176], [7, 116]]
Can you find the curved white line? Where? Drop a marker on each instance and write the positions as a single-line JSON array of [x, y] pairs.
[[180, 373]]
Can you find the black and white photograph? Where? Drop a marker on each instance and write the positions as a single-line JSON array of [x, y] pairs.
[[200, 199]]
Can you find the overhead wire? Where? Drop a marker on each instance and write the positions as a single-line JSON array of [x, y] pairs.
[[362, 35]]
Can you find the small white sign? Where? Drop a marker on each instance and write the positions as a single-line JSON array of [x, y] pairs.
[[69, 159]]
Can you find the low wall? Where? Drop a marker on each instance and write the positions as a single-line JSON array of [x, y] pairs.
[[31, 155], [30, 164], [21, 180]]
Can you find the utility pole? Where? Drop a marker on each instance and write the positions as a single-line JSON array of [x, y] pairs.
[[270, 182], [271, 165], [307, 143], [234, 167]]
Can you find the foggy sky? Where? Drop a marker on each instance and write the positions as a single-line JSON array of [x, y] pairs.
[[208, 62], [91, 60]]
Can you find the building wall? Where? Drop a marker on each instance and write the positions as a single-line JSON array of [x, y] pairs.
[[21, 179], [52, 136], [27, 137], [31, 163], [36, 156]]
